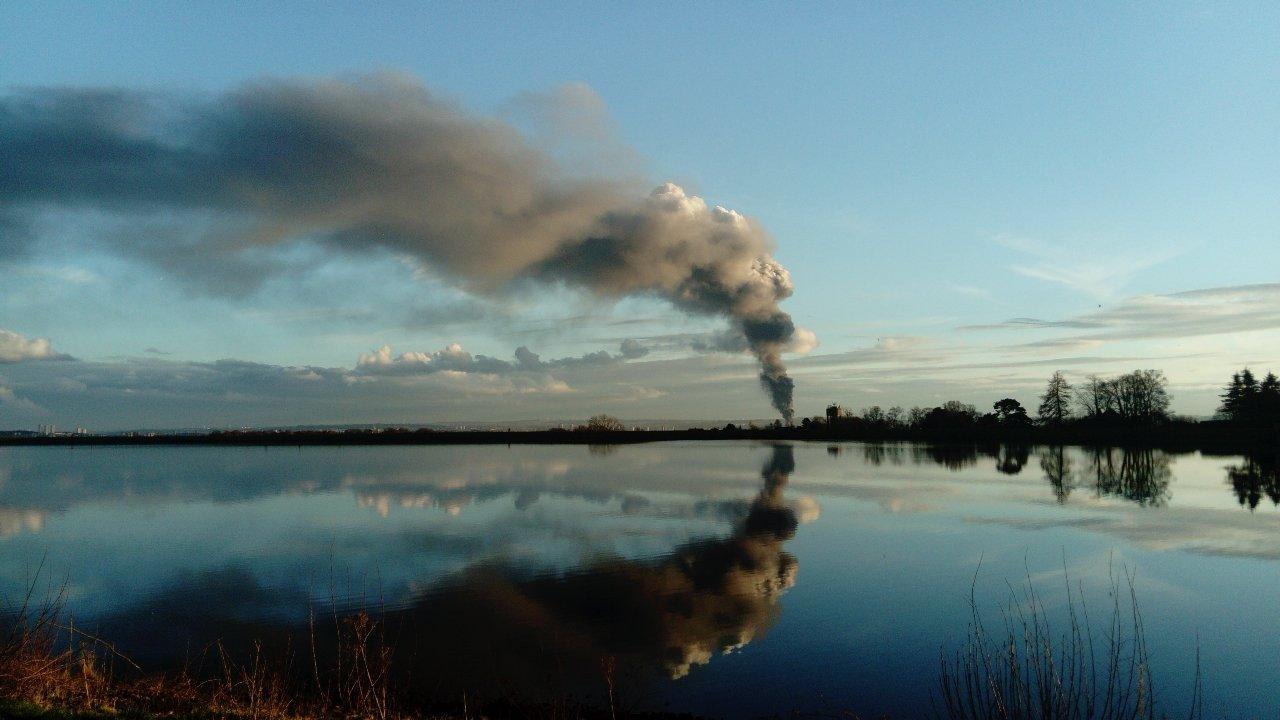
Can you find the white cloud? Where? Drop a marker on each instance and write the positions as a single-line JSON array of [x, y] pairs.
[[17, 348]]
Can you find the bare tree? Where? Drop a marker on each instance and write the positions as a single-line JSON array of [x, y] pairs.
[[1094, 397], [1141, 396], [1055, 404]]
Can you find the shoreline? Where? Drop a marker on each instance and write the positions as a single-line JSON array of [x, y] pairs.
[[1214, 438]]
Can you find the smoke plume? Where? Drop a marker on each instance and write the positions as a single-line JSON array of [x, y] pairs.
[[215, 190]]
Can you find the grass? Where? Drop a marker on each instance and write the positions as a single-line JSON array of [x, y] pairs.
[[1028, 669], [49, 668]]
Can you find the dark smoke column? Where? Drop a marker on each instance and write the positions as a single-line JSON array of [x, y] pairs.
[[704, 260], [767, 338]]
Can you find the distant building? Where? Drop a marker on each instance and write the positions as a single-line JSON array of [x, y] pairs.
[[834, 413]]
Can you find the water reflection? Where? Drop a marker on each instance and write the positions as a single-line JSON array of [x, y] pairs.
[[1009, 459], [1255, 477], [1139, 475], [37, 485], [670, 614], [497, 621], [1057, 470], [531, 563]]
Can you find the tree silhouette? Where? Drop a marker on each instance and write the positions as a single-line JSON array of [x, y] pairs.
[[1269, 398], [1137, 398], [1232, 400], [1010, 412], [1055, 404], [1094, 397], [1248, 402], [950, 415]]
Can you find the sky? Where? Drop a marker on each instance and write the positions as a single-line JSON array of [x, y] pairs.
[[966, 199]]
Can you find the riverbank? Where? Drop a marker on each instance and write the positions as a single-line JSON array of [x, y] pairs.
[[1183, 436]]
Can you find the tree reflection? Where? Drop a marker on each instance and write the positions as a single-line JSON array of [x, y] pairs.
[[1011, 459], [878, 454], [952, 457], [1140, 475], [1258, 476], [1057, 470]]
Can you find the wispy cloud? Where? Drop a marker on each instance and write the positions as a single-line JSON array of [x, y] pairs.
[[1193, 313], [972, 291], [1100, 275]]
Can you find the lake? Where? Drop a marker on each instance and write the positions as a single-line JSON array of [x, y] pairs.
[[729, 579]]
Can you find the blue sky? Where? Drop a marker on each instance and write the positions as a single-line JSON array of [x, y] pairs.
[[927, 173]]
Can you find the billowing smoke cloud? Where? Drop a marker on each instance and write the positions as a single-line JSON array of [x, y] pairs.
[[212, 190]]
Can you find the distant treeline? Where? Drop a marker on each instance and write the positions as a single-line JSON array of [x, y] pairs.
[[1139, 399], [1130, 409]]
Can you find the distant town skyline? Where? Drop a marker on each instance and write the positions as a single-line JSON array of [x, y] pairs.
[[965, 199]]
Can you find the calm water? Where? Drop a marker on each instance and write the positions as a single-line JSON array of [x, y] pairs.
[[728, 579]]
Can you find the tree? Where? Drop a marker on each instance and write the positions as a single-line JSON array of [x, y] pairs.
[[1141, 396], [1094, 397], [604, 423], [1055, 404], [1010, 412], [951, 414], [958, 408], [1247, 401], [1232, 400], [1269, 399], [1249, 396]]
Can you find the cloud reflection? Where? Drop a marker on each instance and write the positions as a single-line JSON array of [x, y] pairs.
[[665, 615]]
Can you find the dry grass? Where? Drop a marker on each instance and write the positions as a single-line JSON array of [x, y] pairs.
[[1030, 670], [50, 669]]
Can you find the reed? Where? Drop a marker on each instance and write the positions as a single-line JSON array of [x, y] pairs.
[[1030, 669]]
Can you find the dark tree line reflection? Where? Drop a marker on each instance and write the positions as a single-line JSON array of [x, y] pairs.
[[1010, 459], [1138, 475], [1255, 478]]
